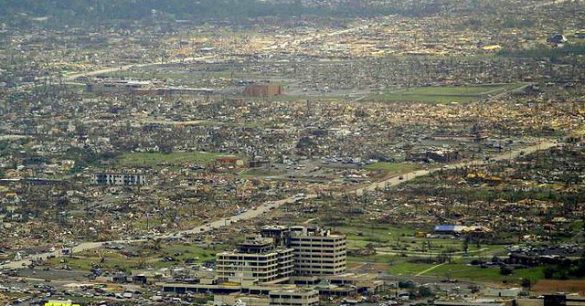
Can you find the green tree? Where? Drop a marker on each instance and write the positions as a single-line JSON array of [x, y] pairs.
[[549, 272], [526, 283], [506, 270], [424, 291], [465, 247]]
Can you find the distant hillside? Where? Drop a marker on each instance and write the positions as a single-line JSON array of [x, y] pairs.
[[134, 9], [79, 12]]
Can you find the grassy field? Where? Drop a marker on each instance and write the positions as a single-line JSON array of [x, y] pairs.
[[152, 258], [468, 272], [388, 239], [444, 95], [159, 159], [459, 269], [182, 252], [401, 239], [462, 271], [398, 247]]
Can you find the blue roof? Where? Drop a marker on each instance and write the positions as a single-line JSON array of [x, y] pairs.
[[445, 228]]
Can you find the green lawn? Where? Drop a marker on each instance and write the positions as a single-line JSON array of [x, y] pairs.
[[459, 269], [407, 268], [444, 95], [462, 271], [85, 261], [180, 252], [159, 159], [492, 274], [387, 237]]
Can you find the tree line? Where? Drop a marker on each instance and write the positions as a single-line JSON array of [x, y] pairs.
[[79, 12]]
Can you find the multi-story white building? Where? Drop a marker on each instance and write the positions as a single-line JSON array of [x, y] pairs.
[[256, 259], [317, 251], [282, 252]]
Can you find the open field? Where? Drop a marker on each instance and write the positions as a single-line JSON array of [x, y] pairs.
[[358, 235], [183, 252], [397, 239], [158, 159], [391, 240], [110, 259], [408, 255], [444, 95], [459, 269], [464, 271]]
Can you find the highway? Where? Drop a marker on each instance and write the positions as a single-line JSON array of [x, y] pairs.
[[271, 205], [73, 77], [396, 180]]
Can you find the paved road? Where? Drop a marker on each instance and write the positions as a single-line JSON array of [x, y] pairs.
[[549, 3], [393, 181], [72, 77], [267, 206], [250, 214]]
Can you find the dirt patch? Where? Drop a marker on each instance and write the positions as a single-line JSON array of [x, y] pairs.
[[552, 286]]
